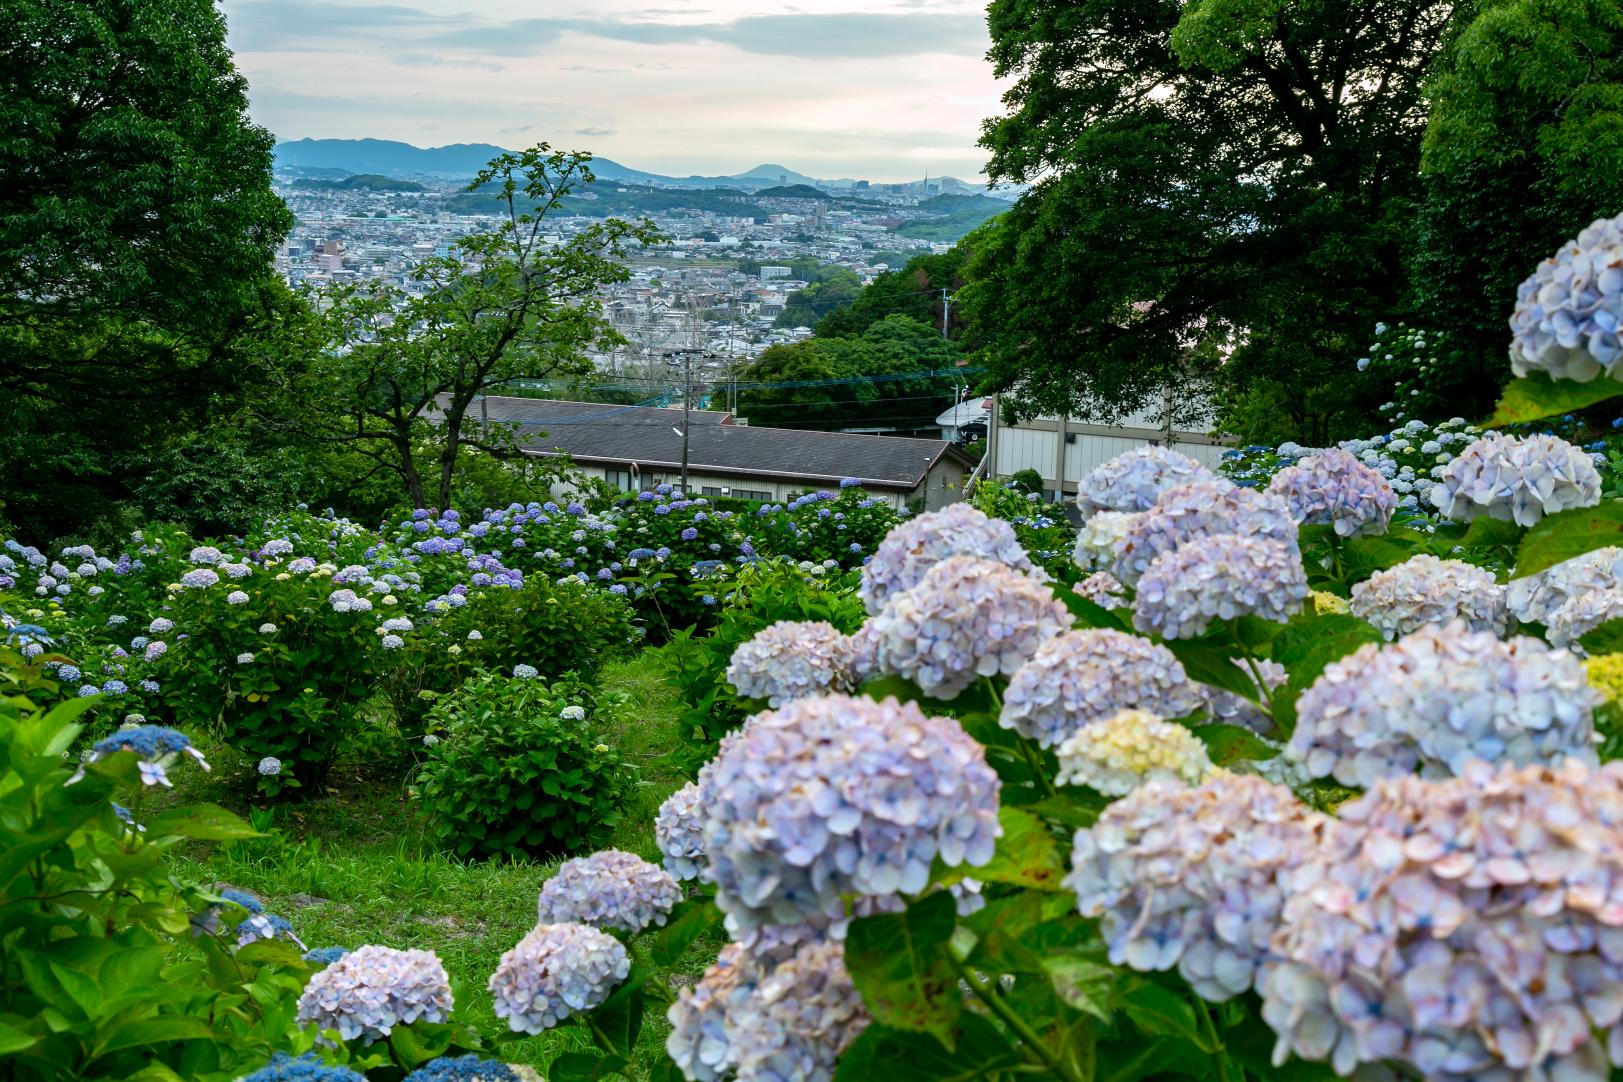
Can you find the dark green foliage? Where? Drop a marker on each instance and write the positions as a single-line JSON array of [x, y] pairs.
[[806, 307], [912, 290], [876, 377], [1200, 171], [137, 223], [958, 215], [509, 775], [371, 182], [1523, 148]]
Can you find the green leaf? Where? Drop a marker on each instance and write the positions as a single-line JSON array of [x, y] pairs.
[[413, 1049], [1305, 648], [618, 1021], [1089, 613], [881, 1052], [158, 1031], [1027, 854], [1605, 639], [899, 963], [1159, 1011], [1567, 534], [1227, 744], [205, 822], [1083, 984], [1361, 557], [1212, 666], [15, 1040], [686, 923], [1491, 532], [1536, 396]]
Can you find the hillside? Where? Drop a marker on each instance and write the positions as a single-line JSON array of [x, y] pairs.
[[369, 181], [794, 191], [601, 200], [952, 217]]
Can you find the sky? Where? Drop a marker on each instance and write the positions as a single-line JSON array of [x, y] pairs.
[[870, 89]]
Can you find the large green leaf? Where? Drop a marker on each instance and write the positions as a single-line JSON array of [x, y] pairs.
[[1305, 648], [899, 963], [1567, 534], [618, 1021], [1209, 665], [15, 1040], [206, 822], [1227, 744], [1083, 983], [585, 1067], [1605, 639], [1537, 396], [1027, 854], [686, 923], [1158, 1010]]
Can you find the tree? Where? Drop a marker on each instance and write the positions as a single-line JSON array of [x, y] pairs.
[[805, 307], [912, 290], [1217, 185], [399, 371], [1523, 148], [883, 378], [137, 225]]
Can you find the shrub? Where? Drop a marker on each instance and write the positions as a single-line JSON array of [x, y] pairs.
[[766, 592], [515, 768], [1042, 529], [107, 971]]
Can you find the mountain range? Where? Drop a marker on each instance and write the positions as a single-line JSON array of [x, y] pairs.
[[460, 161]]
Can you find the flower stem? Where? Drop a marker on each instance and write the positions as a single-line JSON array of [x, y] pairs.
[[983, 991]]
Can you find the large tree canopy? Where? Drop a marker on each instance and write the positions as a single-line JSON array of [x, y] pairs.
[[1217, 184], [137, 224]]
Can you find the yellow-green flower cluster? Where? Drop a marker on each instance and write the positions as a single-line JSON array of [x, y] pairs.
[[1326, 604], [1117, 755], [1605, 673]]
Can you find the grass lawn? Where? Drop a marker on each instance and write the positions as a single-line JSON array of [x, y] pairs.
[[351, 868]]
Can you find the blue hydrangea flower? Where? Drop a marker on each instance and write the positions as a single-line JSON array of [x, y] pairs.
[[1200, 509], [524, 672], [1333, 488], [1517, 479], [1133, 481], [610, 889], [325, 956], [305, 1068], [156, 747], [1219, 577], [372, 989], [1080, 677], [1569, 314], [199, 577], [791, 659], [679, 833], [912, 548], [266, 926], [468, 1068]]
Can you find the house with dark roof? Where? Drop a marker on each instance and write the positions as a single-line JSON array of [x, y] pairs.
[[637, 447]]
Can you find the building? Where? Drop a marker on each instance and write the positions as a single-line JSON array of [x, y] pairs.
[[1063, 450], [635, 448]]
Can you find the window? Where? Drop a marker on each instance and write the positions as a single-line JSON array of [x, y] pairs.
[[712, 491], [752, 494], [620, 479]]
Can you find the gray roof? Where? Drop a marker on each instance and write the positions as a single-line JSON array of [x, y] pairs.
[[651, 437]]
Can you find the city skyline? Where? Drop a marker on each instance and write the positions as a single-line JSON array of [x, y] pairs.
[[888, 93]]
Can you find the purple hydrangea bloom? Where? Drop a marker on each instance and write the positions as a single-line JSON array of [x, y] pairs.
[[1134, 480], [679, 833], [1201, 509], [914, 547], [791, 659], [1516, 478], [610, 889], [555, 971], [1080, 677], [1333, 488], [1219, 577], [373, 989], [1426, 590], [1569, 314]]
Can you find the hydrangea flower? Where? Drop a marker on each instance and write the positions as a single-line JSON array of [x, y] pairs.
[[1230, 709], [1569, 314], [1219, 577], [1437, 699], [199, 577], [306, 1068], [325, 956], [245, 659], [608, 889], [1134, 480], [759, 1020], [156, 746], [236, 597], [791, 659], [1533, 599], [1103, 589], [1194, 878], [1332, 488], [1080, 677], [270, 766], [555, 971], [1461, 928], [469, 1068], [861, 796], [1516, 478], [261, 925], [965, 619], [205, 554], [1098, 537], [913, 547], [1583, 614], [1425, 590], [524, 672], [1118, 754], [1201, 509], [679, 833], [1605, 674], [372, 989], [573, 713]]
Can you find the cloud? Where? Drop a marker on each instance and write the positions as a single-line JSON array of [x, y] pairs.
[[282, 25], [596, 131]]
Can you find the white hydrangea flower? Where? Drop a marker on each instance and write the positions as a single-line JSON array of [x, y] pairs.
[[1439, 698], [1080, 677], [1426, 590], [792, 659], [913, 547], [1535, 598], [1219, 577], [1583, 614], [1134, 480], [608, 889], [679, 833], [860, 796], [1103, 590], [1516, 478], [1096, 541], [1333, 488], [555, 971], [965, 619], [1569, 314], [1201, 509], [371, 990], [1131, 748]]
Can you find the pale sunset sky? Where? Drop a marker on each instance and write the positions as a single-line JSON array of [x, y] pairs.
[[882, 90]]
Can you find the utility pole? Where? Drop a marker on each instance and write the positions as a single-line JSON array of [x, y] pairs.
[[686, 355]]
